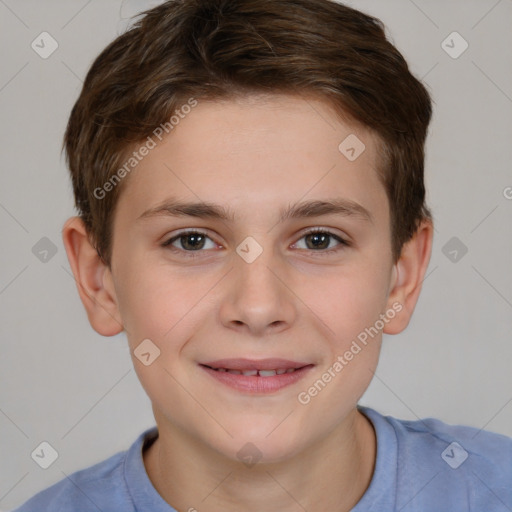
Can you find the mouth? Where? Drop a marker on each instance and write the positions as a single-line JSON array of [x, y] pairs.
[[257, 376], [253, 373]]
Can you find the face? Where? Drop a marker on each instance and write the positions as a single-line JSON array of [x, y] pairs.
[[256, 283]]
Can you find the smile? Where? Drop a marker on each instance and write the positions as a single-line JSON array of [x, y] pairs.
[[260, 377], [254, 373]]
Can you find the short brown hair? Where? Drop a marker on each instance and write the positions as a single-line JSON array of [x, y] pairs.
[[215, 49]]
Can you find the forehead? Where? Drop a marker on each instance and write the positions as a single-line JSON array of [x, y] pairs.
[[254, 154]]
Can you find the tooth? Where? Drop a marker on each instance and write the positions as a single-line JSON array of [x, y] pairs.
[[235, 372], [267, 373], [290, 370], [221, 370], [280, 372], [250, 372]]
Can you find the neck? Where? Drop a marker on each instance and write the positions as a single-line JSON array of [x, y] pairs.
[[331, 474]]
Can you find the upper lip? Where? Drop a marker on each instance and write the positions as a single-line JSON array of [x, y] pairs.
[[255, 364]]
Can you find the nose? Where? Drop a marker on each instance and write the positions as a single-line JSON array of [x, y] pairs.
[[259, 298]]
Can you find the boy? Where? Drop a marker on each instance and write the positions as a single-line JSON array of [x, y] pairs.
[[249, 178]]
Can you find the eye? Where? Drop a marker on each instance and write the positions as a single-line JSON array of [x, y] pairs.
[[319, 239], [190, 241], [193, 241]]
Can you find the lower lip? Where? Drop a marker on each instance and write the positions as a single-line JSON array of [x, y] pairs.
[[257, 384]]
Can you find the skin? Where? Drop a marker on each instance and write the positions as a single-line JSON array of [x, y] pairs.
[[255, 155]]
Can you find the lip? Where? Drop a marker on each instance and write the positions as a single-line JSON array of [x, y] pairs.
[[257, 384], [255, 364]]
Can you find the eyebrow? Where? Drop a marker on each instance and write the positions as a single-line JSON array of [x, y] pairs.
[[305, 209]]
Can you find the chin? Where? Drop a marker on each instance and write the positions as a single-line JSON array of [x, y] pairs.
[[261, 444]]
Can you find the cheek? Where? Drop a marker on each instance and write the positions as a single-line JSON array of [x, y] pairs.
[[148, 305], [351, 305], [162, 305], [163, 309], [350, 301]]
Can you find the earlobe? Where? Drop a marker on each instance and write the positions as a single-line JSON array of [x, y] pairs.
[[93, 280], [408, 275]]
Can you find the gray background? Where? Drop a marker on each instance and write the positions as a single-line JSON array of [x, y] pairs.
[[64, 384]]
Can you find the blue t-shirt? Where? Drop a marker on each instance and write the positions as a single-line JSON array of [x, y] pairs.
[[421, 466]]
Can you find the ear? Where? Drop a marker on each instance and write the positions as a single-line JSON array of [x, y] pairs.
[[408, 274], [93, 279]]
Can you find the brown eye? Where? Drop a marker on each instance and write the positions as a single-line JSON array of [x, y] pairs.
[[188, 241], [317, 240], [192, 242], [321, 241]]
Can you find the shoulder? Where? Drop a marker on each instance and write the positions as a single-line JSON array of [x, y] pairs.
[[98, 487], [454, 444], [467, 466], [83, 490]]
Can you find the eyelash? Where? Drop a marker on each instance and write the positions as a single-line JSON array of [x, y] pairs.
[[191, 254]]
